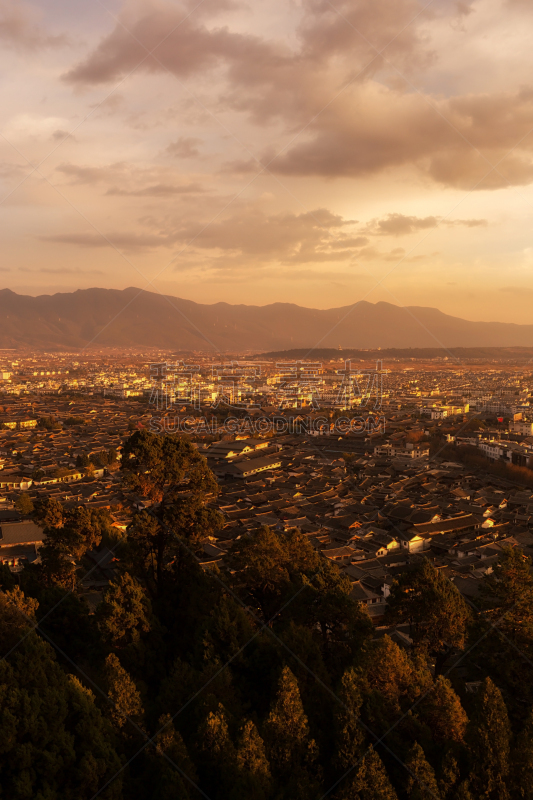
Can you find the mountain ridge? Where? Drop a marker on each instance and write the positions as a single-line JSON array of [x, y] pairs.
[[132, 317]]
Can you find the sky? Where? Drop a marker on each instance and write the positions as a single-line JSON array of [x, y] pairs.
[[302, 151]]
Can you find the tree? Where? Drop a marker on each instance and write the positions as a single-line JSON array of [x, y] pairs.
[[371, 781], [443, 713], [405, 676], [190, 518], [17, 617], [89, 523], [170, 773], [218, 753], [326, 608], [421, 783], [488, 738], [348, 737], [50, 512], [449, 773], [123, 694], [24, 504], [54, 741], [157, 466], [124, 612], [253, 770], [291, 750], [62, 548], [433, 607], [503, 632], [267, 565], [522, 762]]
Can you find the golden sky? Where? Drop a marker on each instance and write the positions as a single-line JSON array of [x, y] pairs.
[[301, 151]]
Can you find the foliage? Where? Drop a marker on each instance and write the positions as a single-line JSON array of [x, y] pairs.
[[263, 679], [437, 614], [24, 503]]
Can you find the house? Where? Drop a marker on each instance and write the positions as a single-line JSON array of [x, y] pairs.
[[19, 542]]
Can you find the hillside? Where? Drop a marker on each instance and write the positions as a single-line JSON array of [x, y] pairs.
[[132, 318]]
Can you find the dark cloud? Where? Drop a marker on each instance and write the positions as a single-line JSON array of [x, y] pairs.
[[87, 175], [20, 28], [122, 240], [184, 147], [62, 271], [376, 124], [401, 225], [158, 190], [61, 135], [248, 235]]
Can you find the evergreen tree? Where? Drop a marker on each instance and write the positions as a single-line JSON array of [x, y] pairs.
[[372, 781], [442, 711], [349, 737], [124, 695], [24, 503], [124, 612], [522, 763], [170, 773], [463, 792], [504, 632], [488, 738], [218, 757], [54, 742], [421, 783], [253, 777], [449, 774], [50, 512], [433, 607], [291, 750]]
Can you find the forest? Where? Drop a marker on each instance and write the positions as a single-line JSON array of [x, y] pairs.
[[261, 680]]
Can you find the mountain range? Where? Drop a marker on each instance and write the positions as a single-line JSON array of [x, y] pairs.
[[99, 318]]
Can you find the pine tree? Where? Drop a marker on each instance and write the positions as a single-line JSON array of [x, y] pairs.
[[463, 792], [125, 611], [170, 773], [488, 738], [349, 736], [24, 503], [54, 741], [217, 754], [291, 750], [287, 727], [442, 711], [433, 607], [253, 770], [123, 694], [522, 762], [372, 781], [422, 783], [449, 773]]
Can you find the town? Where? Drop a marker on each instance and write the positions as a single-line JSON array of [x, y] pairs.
[[437, 465]]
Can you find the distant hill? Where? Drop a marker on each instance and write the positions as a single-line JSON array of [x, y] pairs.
[[513, 354], [131, 318]]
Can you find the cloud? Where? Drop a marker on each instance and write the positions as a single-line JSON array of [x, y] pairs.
[[60, 135], [121, 240], [249, 235], [19, 27], [184, 147], [159, 190], [86, 175], [315, 236], [62, 271], [348, 110], [402, 225]]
